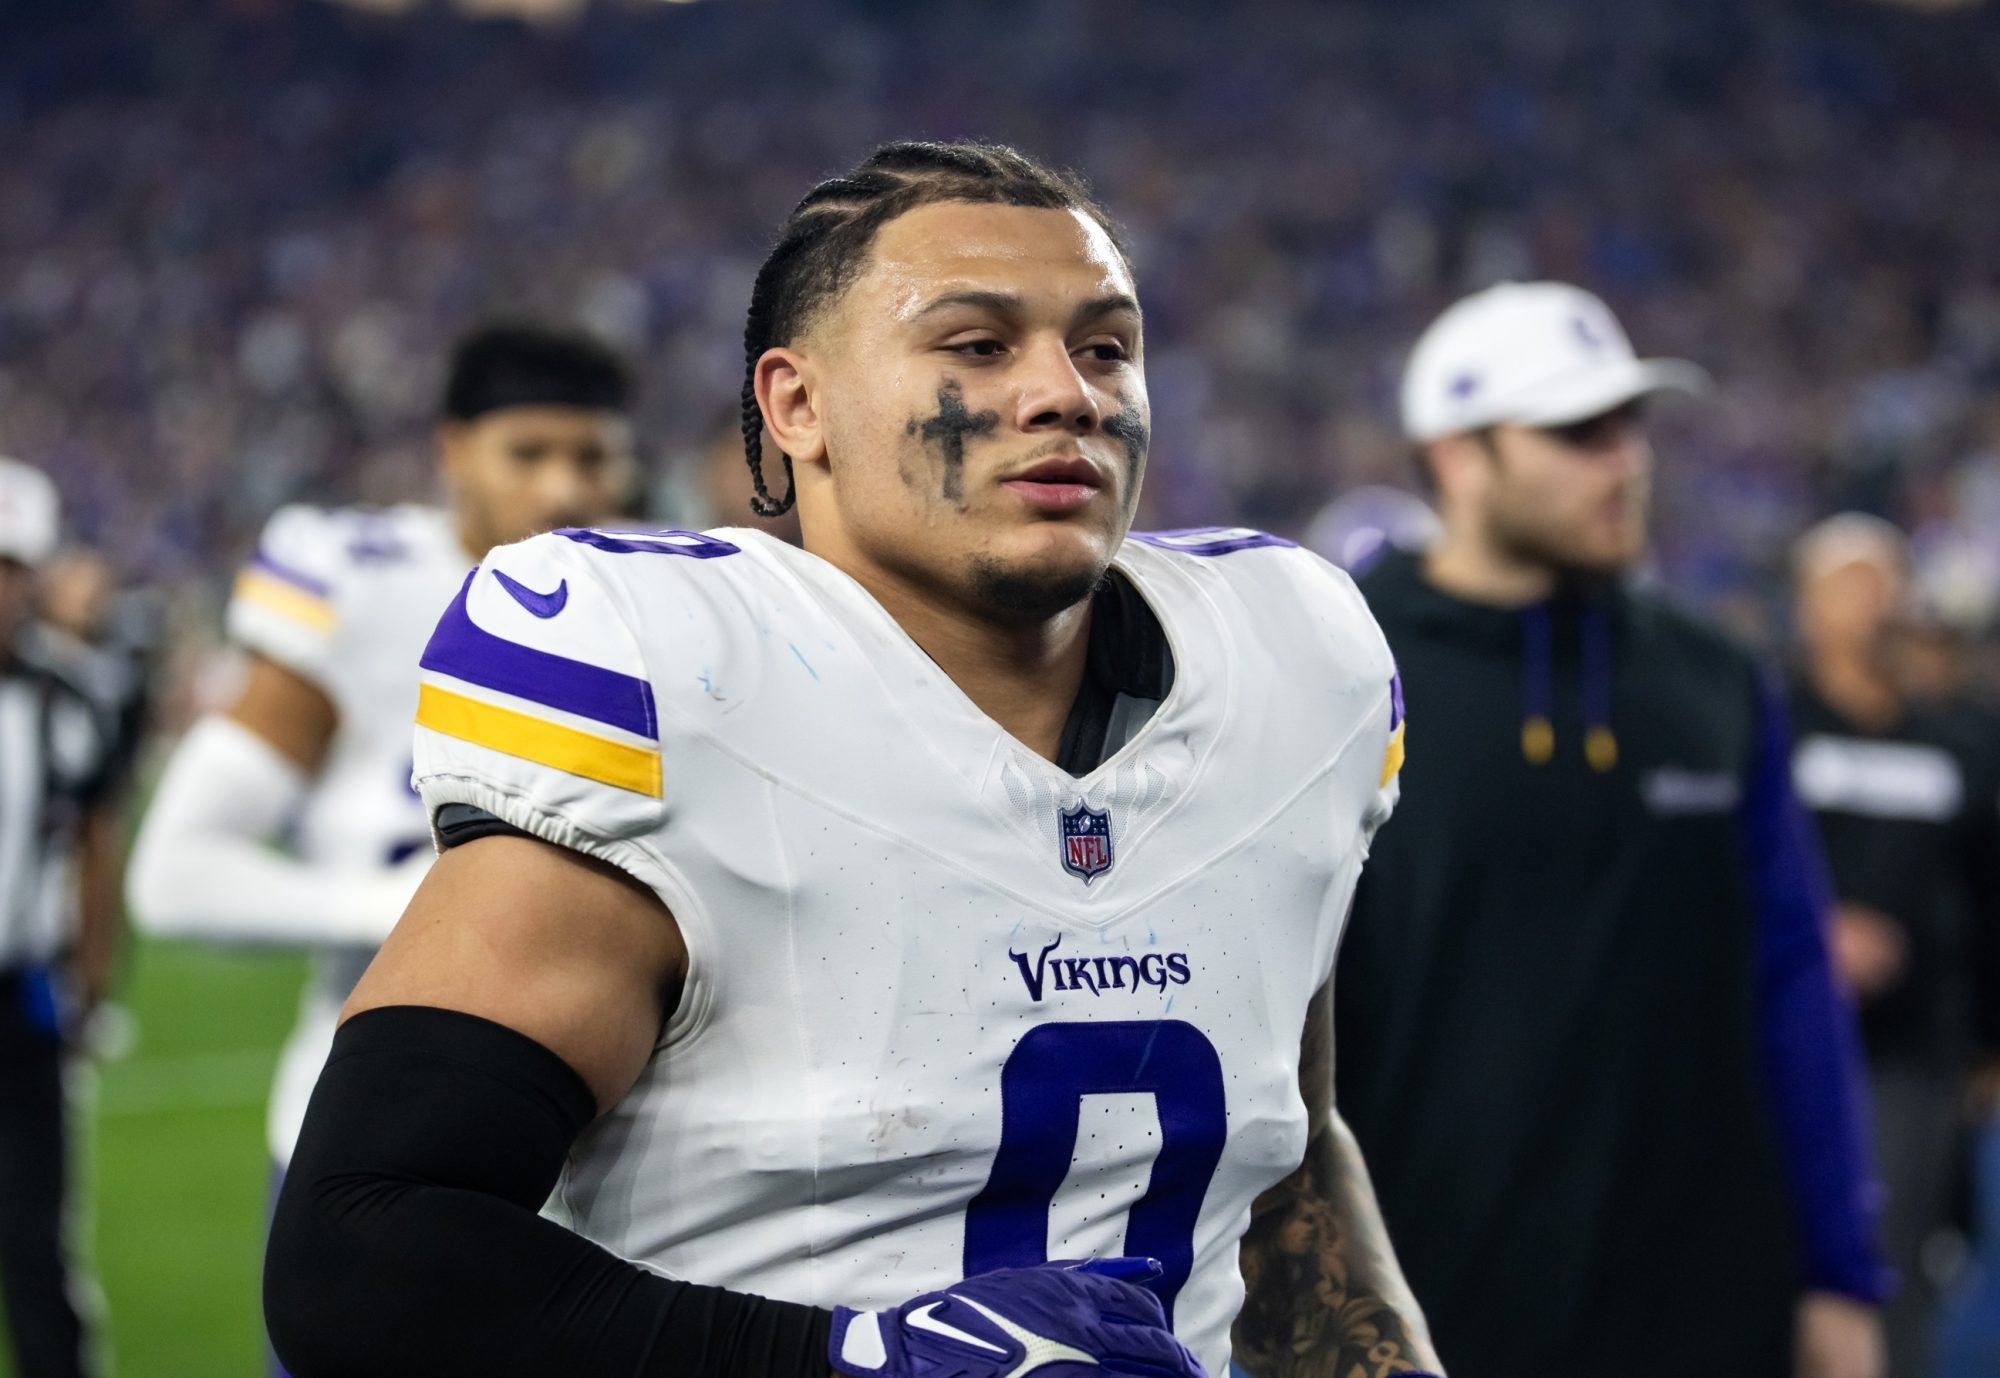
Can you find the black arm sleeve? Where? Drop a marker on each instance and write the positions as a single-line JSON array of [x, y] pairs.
[[406, 1240]]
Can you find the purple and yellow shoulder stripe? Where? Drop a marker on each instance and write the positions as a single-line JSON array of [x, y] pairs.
[[566, 714], [1392, 757], [287, 591]]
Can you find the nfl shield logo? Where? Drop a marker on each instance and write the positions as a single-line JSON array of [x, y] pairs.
[[1086, 841]]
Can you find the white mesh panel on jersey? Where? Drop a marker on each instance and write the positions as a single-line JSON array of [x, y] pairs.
[[1137, 788]]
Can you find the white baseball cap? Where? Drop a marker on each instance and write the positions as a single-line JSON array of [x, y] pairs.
[[1531, 353], [29, 513]]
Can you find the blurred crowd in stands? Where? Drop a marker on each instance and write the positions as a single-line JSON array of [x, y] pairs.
[[235, 239]]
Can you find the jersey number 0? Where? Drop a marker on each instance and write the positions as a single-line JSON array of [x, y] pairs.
[[1042, 1087]]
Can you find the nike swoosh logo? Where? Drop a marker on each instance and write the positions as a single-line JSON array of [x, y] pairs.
[[1040, 1349], [922, 1319], [540, 604]]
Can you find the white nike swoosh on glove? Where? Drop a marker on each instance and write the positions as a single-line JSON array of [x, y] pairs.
[[922, 1319], [1040, 1349]]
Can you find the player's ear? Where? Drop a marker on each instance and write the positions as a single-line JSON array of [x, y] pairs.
[[1455, 463], [786, 387], [451, 447]]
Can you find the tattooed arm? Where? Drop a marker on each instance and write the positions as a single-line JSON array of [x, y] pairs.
[[1326, 1298]]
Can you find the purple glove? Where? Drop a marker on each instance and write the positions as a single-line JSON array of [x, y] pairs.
[[1058, 1320]]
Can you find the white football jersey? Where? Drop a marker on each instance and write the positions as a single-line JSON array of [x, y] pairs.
[[949, 1007], [347, 599]]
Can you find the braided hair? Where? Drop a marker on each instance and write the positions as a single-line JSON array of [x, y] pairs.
[[824, 242]]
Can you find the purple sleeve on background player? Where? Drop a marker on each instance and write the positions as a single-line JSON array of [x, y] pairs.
[[1811, 1043]]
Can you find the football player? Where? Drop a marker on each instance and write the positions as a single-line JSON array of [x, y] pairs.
[[334, 609], [833, 937]]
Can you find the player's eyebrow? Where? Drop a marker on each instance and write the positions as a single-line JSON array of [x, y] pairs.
[[1010, 304], [1000, 303], [1115, 304]]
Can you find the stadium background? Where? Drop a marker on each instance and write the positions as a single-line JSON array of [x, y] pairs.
[[235, 239]]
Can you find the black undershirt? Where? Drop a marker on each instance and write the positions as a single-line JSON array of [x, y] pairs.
[[1128, 656]]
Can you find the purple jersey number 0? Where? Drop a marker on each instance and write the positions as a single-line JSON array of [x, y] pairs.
[[1042, 1087]]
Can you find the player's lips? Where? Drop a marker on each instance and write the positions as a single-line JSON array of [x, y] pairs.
[[1057, 485]]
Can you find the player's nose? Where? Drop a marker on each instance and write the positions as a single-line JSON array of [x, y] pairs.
[[1053, 394], [564, 486], [1632, 456]]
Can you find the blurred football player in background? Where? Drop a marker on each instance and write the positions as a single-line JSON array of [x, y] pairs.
[[864, 890], [333, 611], [1591, 1041], [60, 841], [1909, 808]]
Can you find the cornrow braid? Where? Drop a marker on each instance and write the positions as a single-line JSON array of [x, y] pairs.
[[824, 243], [756, 331]]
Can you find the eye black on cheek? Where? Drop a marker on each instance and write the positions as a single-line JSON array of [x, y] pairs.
[[1128, 426], [949, 430]]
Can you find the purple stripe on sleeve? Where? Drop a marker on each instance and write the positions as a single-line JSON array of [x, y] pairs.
[[1210, 540], [665, 541], [1395, 699], [464, 650], [297, 578]]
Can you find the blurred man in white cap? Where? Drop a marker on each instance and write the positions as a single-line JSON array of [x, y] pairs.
[[59, 886], [1526, 399], [1590, 1039]]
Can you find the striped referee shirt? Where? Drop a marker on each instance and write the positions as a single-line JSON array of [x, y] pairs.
[[56, 763]]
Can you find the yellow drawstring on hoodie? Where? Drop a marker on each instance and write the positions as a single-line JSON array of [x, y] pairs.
[[1600, 748], [1538, 732], [1538, 740]]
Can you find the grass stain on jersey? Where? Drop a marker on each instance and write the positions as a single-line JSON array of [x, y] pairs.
[[949, 430]]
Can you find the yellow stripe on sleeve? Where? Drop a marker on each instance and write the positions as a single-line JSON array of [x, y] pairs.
[[1392, 758], [287, 600], [534, 739]]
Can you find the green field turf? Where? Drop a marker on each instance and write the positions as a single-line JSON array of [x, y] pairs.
[[178, 1173]]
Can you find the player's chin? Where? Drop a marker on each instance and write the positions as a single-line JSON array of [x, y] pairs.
[[1074, 543], [1609, 552], [562, 520], [1035, 576]]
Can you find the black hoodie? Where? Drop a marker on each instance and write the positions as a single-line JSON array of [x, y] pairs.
[[1581, 951]]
